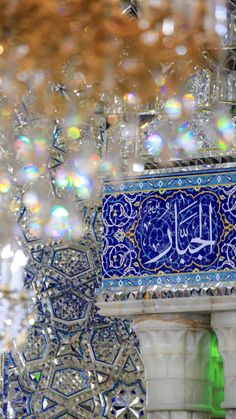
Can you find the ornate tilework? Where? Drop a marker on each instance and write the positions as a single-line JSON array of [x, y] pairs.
[[75, 361], [167, 230]]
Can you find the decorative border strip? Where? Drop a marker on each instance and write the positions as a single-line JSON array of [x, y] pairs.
[[153, 293], [176, 181], [155, 182], [174, 279]]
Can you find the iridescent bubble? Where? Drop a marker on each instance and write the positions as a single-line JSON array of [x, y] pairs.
[[32, 202], [188, 102], [181, 49], [40, 146], [74, 133], [5, 184], [30, 172], [59, 211], [168, 26], [131, 98], [173, 108], [223, 146], [149, 37], [153, 144], [35, 228], [62, 179], [225, 127], [59, 222], [24, 146], [84, 186], [108, 168], [185, 139]]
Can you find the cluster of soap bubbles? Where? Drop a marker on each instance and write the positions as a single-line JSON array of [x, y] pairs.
[[184, 141], [31, 153], [71, 179], [63, 224], [175, 108], [80, 179], [55, 221], [82, 174], [179, 135], [30, 147]]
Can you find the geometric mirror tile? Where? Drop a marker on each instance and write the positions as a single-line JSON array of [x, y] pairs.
[[75, 361], [125, 400], [69, 381], [71, 262], [69, 307], [36, 344], [105, 345]]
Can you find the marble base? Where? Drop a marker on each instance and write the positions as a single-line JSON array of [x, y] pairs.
[[175, 350], [174, 336]]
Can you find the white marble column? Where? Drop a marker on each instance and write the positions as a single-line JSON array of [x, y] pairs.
[[175, 350], [224, 325]]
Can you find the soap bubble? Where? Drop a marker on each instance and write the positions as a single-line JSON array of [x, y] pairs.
[[173, 108], [153, 144], [5, 184], [185, 138]]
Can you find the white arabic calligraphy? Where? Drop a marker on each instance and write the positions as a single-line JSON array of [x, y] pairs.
[[196, 244]]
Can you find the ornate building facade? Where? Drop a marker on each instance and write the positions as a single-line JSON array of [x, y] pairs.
[[111, 339]]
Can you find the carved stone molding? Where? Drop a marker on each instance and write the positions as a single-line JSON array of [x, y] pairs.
[[175, 350]]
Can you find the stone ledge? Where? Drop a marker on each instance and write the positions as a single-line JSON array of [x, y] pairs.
[[129, 309]]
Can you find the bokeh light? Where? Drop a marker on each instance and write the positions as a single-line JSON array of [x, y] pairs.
[[32, 202], [173, 108], [185, 138], [225, 128], [62, 179], [131, 98], [30, 172], [59, 222], [70, 179], [24, 146], [74, 133], [28, 148], [154, 143], [59, 211], [5, 184], [188, 101], [40, 146], [35, 228]]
